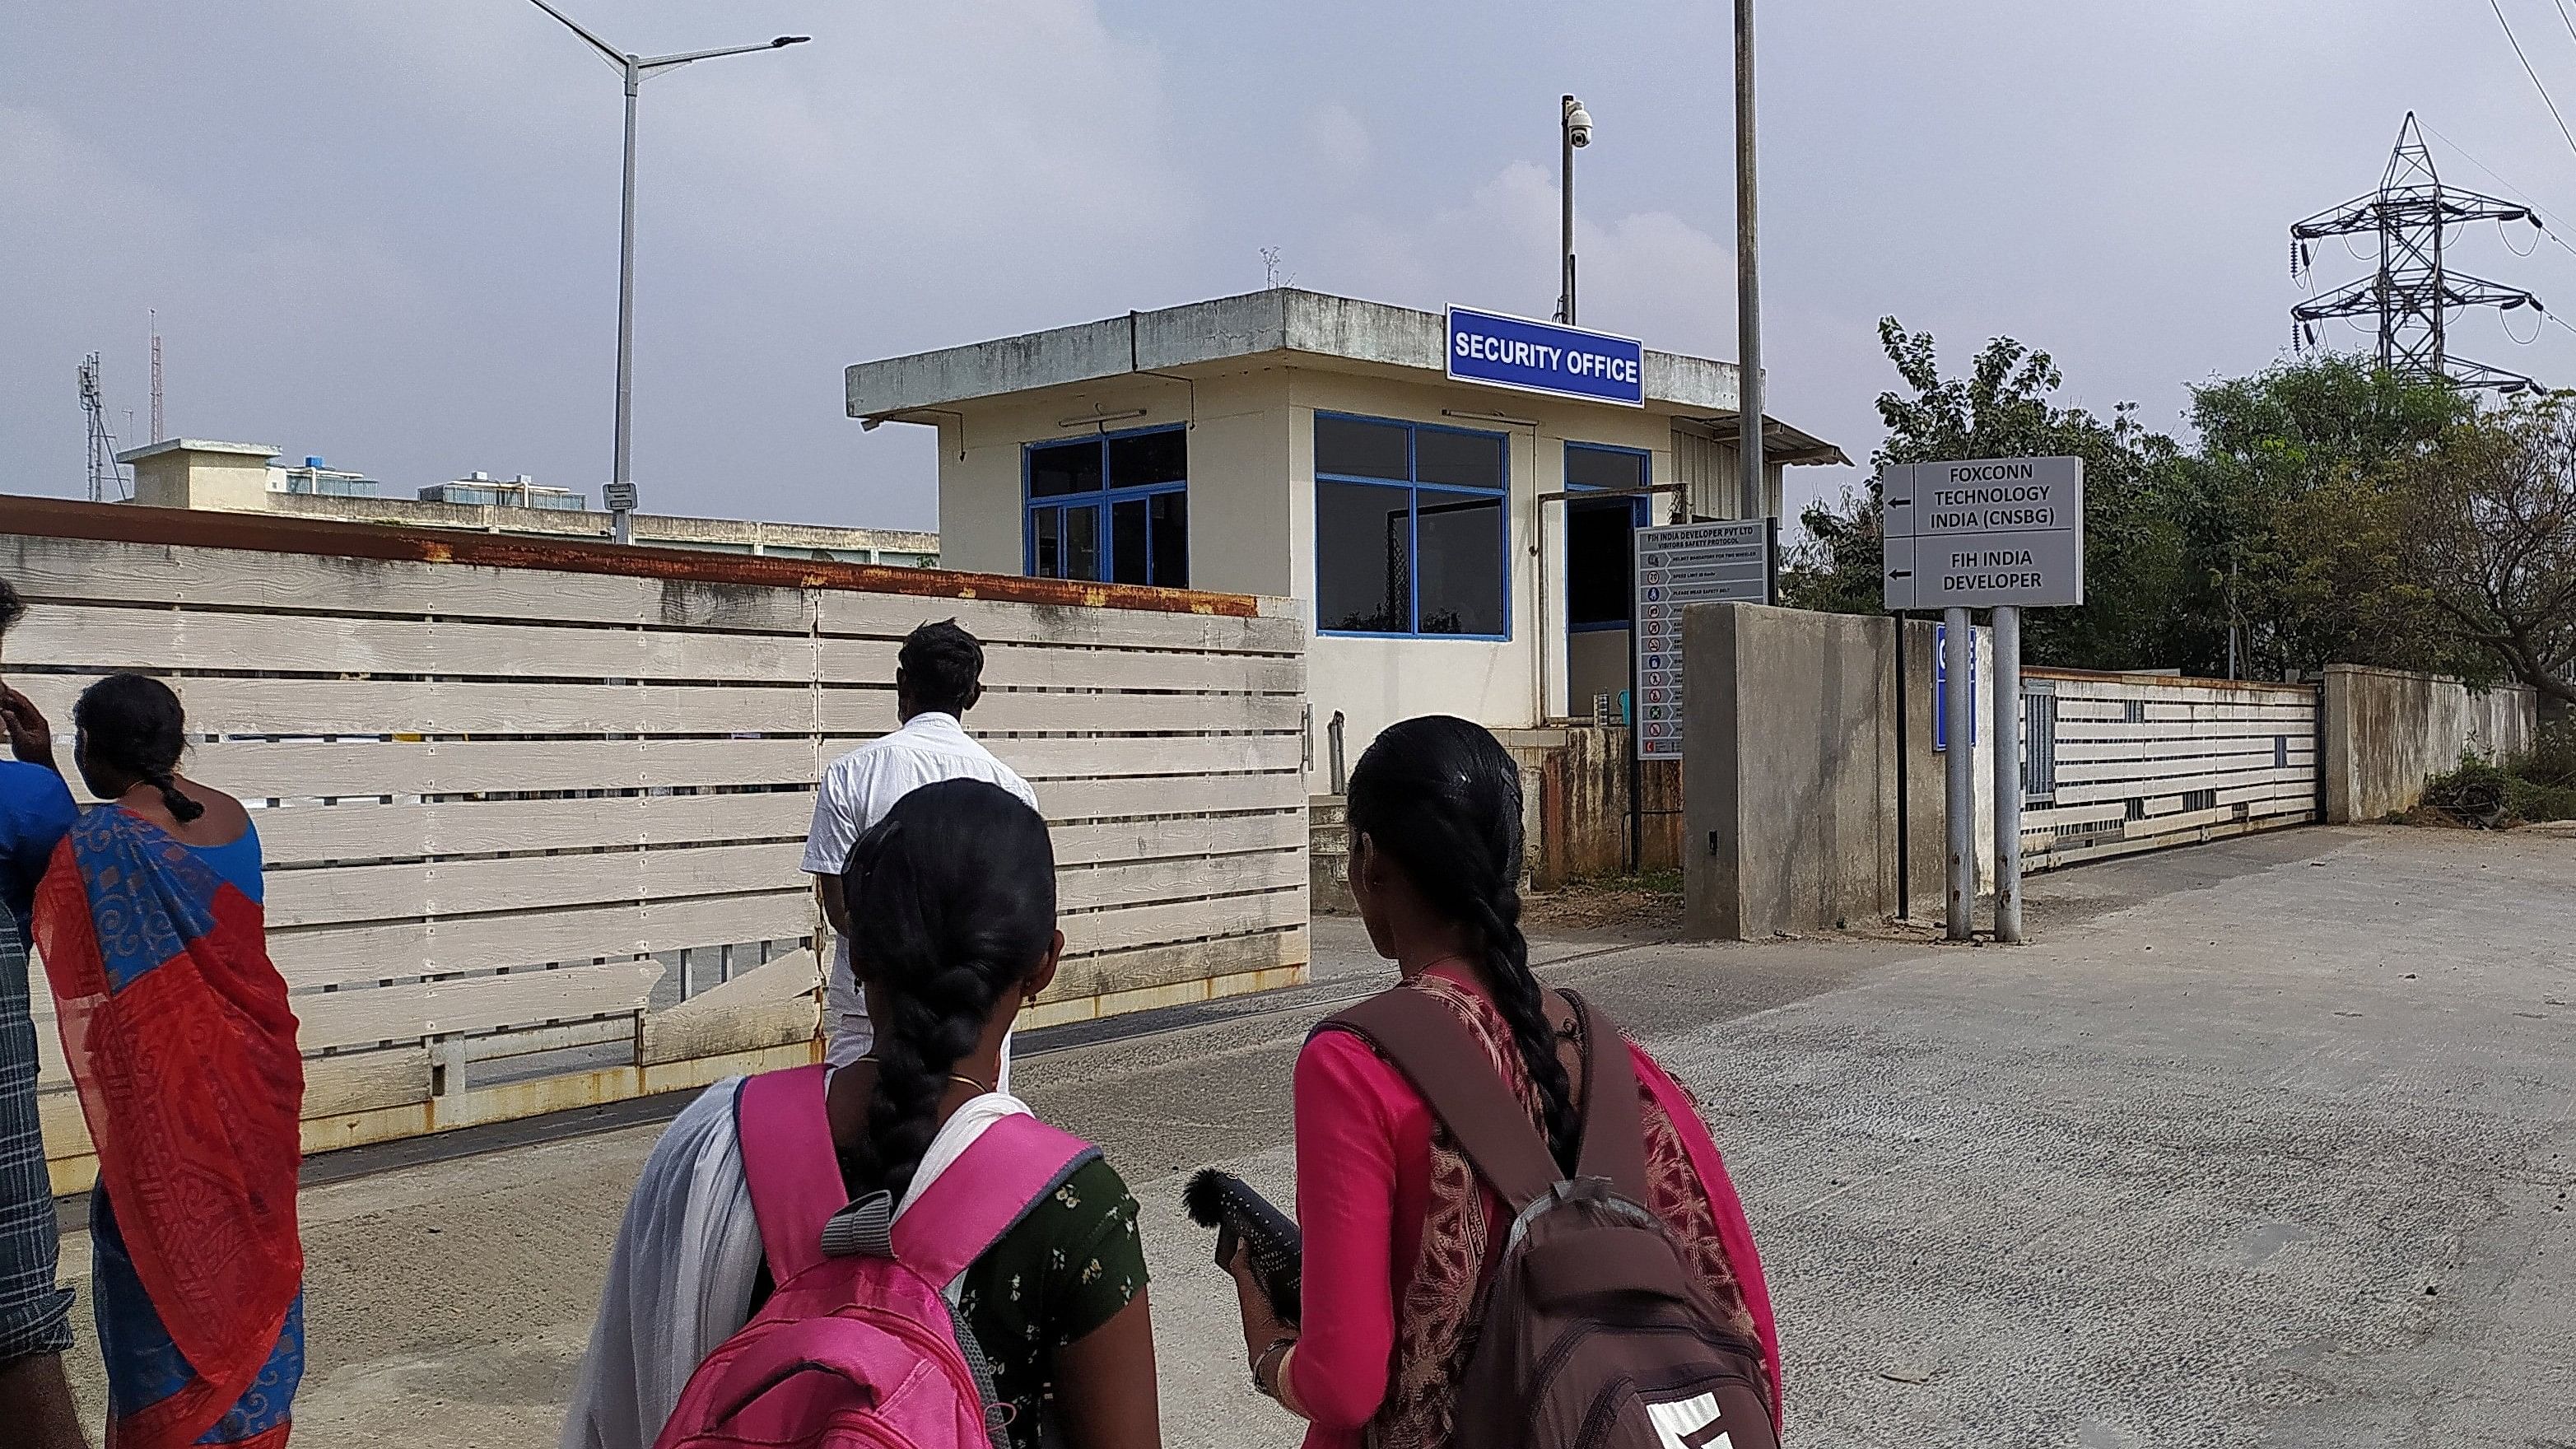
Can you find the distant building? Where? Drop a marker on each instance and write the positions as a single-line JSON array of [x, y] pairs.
[[481, 490], [320, 481], [247, 478]]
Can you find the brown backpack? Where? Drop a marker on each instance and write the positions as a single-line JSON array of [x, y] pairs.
[[1595, 1334]]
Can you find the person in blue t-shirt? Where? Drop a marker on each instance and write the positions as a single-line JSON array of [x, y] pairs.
[[35, 1310]]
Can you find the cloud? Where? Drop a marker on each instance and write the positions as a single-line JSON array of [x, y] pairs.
[[1338, 144]]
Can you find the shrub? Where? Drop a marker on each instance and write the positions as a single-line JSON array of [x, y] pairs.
[[2539, 784]]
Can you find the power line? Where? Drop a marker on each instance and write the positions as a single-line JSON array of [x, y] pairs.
[[2516, 42], [2550, 231], [2570, 20]]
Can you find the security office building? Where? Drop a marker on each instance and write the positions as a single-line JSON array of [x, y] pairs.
[[1462, 547]]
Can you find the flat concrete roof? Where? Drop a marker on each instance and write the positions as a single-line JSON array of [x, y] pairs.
[[197, 445], [1206, 336]]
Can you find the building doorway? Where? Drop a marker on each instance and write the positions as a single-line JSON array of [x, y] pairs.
[[1600, 557]]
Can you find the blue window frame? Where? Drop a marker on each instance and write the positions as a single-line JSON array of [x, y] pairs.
[[1114, 508], [1600, 533], [1412, 529]]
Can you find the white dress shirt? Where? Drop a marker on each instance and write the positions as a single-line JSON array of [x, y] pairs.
[[857, 791]]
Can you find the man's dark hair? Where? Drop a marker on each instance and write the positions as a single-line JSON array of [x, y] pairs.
[[12, 608], [943, 668]]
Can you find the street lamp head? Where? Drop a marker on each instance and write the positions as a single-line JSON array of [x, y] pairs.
[[789, 40], [1578, 122]]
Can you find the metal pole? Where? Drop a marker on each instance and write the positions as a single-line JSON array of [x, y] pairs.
[[1636, 748], [1959, 772], [1565, 191], [621, 521], [1904, 786], [1748, 275], [2008, 776]]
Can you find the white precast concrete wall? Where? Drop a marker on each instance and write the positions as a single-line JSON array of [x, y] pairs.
[[501, 804], [2126, 762]]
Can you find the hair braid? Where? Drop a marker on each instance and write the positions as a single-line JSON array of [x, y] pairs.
[[932, 1028], [952, 904], [182, 808], [1518, 995], [1442, 798]]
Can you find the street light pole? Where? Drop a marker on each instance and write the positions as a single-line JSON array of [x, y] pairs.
[[636, 69], [1574, 128], [621, 506], [1754, 501]]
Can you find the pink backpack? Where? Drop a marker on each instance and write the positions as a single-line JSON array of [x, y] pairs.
[[858, 1346]]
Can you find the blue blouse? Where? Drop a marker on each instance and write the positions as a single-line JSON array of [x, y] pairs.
[[236, 861]]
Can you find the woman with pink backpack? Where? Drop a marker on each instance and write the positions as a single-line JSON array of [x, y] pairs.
[[894, 1253]]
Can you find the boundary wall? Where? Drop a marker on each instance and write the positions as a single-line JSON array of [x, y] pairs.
[[2387, 732], [534, 811], [1794, 755]]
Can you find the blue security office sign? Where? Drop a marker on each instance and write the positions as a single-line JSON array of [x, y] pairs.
[[1515, 352]]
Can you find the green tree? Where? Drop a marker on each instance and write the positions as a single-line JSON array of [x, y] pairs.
[[2002, 408], [2487, 546], [2294, 509]]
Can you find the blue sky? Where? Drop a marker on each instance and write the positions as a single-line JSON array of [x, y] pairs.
[[385, 233]]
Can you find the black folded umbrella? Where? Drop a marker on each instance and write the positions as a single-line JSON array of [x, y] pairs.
[[1227, 1203]]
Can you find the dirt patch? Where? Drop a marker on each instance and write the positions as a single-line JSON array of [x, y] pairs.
[[1647, 906]]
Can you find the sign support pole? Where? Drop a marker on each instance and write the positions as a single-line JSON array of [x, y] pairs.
[[1959, 772], [2008, 775], [1904, 787]]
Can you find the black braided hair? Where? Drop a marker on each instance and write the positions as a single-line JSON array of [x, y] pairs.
[[1442, 799], [131, 728], [951, 903]]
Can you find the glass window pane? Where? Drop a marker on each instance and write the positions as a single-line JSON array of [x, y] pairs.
[[1171, 539], [1367, 450], [1473, 460], [1162, 457], [1061, 468], [1082, 543], [1462, 564], [1363, 563], [1127, 557], [1597, 468], [1598, 555], [1049, 563]]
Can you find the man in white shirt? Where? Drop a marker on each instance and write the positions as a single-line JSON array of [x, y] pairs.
[[937, 678]]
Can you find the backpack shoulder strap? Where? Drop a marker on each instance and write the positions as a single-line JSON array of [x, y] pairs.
[[790, 1163], [1434, 1049], [1614, 1129], [984, 1194]]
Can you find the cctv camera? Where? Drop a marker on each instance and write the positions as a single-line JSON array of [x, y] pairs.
[[1578, 123]]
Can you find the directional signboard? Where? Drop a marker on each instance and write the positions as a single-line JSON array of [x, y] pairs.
[[1685, 564], [1984, 534]]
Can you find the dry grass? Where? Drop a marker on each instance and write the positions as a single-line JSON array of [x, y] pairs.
[[1630, 905]]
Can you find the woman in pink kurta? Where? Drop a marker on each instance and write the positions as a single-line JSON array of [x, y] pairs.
[[1401, 1235]]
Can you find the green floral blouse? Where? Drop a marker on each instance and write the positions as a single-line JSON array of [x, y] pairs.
[[1061, 1272]]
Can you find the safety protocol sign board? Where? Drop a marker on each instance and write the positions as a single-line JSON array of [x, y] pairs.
[[1688, 563], [1984, 534], [1515, 352]]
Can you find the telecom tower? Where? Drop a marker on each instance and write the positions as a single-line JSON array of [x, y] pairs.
[[106, 476], [2414, 292]]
